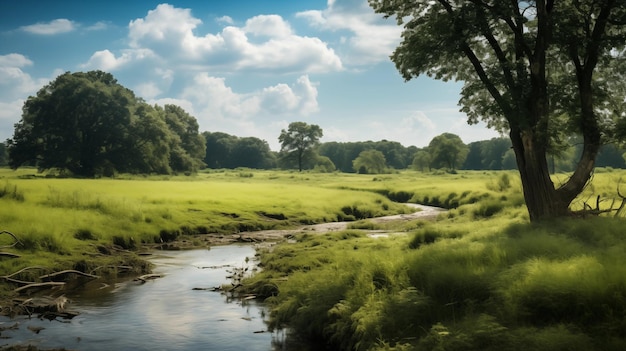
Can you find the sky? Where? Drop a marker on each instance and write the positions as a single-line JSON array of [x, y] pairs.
[[242, 67]]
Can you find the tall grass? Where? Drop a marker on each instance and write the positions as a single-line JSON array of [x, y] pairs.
[[468, 281]]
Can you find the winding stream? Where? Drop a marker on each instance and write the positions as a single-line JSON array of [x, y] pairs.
[[161, 314], [175, 312]]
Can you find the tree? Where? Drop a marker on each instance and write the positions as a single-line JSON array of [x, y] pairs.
[[218, 149], [3, 155], [88, 124], [370, 162], [252, 152], [77, 123], [529, 68], [188, 147], [299, 141], [422, 160], [447, 150]]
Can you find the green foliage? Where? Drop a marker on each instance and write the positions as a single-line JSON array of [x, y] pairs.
[[422, 160], [89, 125], [448, 151], [298, 143], [535, 71], [342, 154], [228, 151], [370, 162]]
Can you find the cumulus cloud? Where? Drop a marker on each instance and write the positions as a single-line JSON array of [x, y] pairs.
[[213, 102], [268, 25], [107, 61], [14, 82], [225, 20], [369, 38], [170, 32], [56, 26], [14, 60]]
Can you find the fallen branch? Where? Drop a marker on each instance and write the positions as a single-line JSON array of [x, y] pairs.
[[68, 271], [22, 270], [9, 254], [17, 241], [144, 278], [38, 285]]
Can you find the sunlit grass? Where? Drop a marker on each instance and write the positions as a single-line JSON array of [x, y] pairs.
[[476, 279]]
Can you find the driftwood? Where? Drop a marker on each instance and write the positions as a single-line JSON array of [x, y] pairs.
[[589, 210], [9, 254], [144, 278], [38, 285], [17, 241], [68, 271]]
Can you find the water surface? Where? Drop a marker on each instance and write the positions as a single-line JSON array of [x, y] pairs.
[[161, 314]]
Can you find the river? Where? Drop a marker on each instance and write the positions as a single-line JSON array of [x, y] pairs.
[[160, 314]]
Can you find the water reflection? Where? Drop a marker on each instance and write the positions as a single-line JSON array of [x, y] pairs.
[[161, 314]]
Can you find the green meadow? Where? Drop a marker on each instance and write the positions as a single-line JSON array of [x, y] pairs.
[[70, 223], [478, 277]]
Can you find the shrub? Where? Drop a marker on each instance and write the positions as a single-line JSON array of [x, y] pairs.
[[488, 208], [84, 234]]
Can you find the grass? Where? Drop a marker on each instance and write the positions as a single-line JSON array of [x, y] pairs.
[[476, 279], [480, 277], [69, 220]]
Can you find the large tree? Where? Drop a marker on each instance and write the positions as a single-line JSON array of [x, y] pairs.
[[531, 68], [90, 125], [299, 141]]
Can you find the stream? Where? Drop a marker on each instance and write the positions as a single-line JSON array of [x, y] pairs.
[[160, 314], [178, 311]]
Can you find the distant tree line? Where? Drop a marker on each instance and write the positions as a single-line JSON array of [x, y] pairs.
[[87, 124]]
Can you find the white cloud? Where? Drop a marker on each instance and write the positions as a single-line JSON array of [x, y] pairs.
[[371, 40], [169, 32], [218, 107], [98, 26], [268, 25], [56, 26], [14, 82], [148, 90], [14, 60], [225, 20], [107, 61]]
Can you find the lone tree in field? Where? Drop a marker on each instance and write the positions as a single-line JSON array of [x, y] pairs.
[[447, 151], [299, 141], [530, 68]]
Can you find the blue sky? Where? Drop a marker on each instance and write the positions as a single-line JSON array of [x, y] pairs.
[[247, 68]]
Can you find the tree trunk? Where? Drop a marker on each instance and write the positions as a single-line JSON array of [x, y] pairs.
[[542, 199]]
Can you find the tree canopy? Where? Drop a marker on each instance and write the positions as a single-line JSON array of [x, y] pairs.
[[90, 125], [534, 69], [299, 141], [370, 162], [447, 151]]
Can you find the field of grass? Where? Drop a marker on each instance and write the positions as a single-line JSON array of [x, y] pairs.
[[480, 277], [63, 223]]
